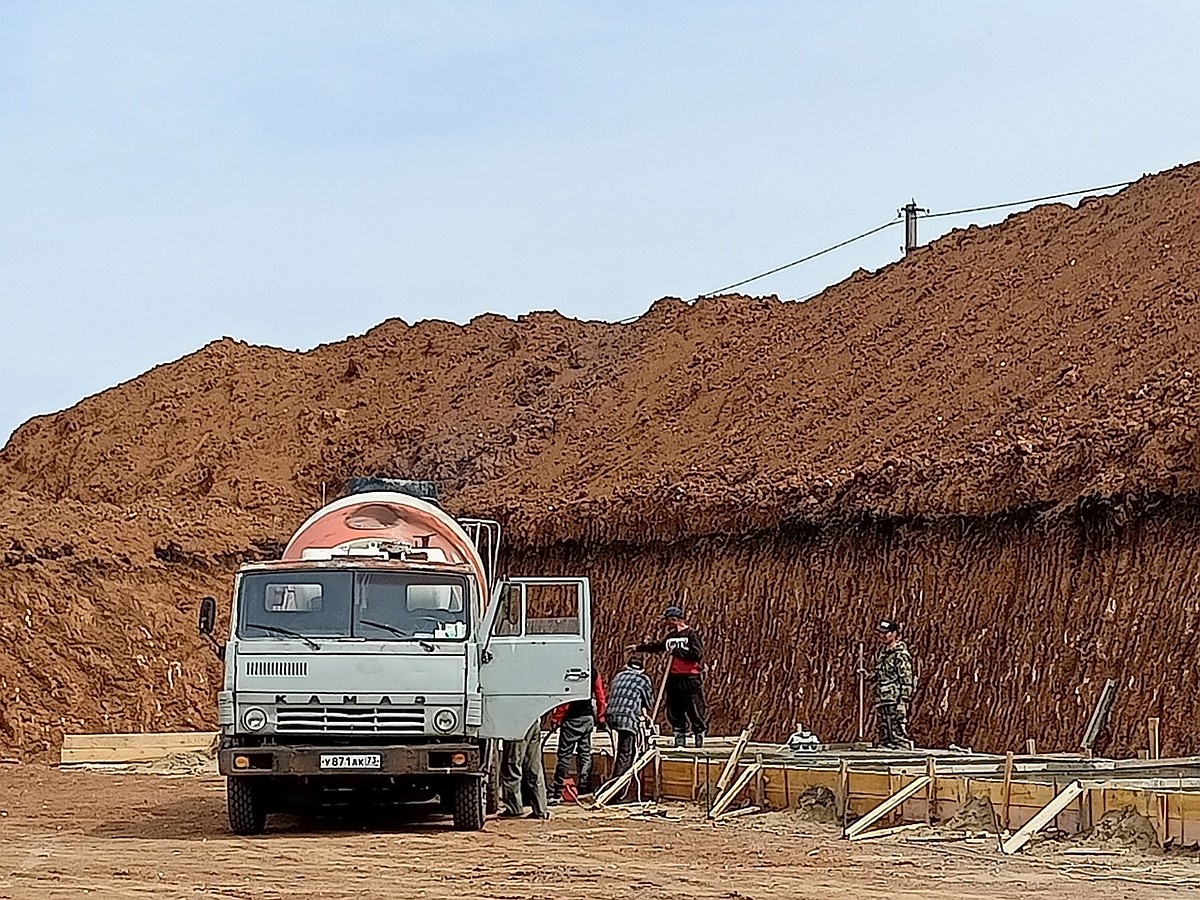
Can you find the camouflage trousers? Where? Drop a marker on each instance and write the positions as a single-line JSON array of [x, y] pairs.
[[892, 722]]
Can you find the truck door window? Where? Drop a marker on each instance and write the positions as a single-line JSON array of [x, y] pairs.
[[508, 616], [552, 609]]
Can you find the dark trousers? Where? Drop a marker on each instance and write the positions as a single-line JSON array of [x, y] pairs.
[[685, 704], [574, 742], [892, 725], [626, 749]]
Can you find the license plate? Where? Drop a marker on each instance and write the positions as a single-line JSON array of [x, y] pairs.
[[350, 761]]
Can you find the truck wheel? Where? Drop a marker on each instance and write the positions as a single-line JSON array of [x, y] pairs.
[[470, 803], [247, 809]]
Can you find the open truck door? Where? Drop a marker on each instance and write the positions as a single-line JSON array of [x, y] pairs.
[[538, 652]]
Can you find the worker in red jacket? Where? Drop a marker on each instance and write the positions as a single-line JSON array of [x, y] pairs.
[[576, 721], [685, 692]]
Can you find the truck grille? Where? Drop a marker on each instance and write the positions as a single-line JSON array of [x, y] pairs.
[[349, 720], [277, 668]]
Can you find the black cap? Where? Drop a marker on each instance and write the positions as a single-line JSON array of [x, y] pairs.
[[637, 662], [673, 612], [887, 626]]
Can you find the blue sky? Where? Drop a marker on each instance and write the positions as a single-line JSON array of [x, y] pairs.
[[292, 173]]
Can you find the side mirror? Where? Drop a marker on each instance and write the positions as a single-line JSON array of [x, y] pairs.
[[208, 616], [208, 624]]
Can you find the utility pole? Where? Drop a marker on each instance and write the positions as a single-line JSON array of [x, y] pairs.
[[911, 211]]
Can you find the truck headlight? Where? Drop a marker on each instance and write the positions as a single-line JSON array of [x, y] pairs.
[[444, 720], [255, 719]]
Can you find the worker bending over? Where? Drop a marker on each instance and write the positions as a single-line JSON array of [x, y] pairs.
[[630, 699], [685, 693]]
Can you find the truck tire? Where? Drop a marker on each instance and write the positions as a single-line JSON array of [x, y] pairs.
[[470, 803], [246, 805]]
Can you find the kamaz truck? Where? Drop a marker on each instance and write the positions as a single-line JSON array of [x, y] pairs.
[[381, 659]]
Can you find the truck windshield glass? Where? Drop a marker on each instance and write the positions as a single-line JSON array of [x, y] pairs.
[[418, 605], [387, 606]]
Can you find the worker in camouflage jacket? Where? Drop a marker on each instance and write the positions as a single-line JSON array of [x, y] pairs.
[[893, 687]]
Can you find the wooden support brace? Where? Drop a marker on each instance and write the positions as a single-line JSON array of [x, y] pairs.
[[735, 755], [734, 789], [1005, 816], [1043, 818], [735, 813], [1100, 715], [760, 786], [609, 791], [931, 791], [887, 832], [844, 790], [893, 802]]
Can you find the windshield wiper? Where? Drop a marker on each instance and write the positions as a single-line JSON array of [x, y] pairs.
[[425, 645], [285, 632]]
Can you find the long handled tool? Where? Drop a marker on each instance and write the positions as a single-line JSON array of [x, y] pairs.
[[662, 689], [862, 692], [662, 685]]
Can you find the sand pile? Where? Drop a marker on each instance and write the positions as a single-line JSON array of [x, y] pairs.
[[976, 815], [1122, 828], [818, 804], [1043, 367]]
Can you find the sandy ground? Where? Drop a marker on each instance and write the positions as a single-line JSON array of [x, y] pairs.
[[73, 834]]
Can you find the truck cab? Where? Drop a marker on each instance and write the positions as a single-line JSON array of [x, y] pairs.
[[380, 660]]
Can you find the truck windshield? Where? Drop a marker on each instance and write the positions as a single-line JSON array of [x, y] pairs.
[[385, 606]]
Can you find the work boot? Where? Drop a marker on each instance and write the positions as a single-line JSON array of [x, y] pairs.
[[699, 739], [680, 740]]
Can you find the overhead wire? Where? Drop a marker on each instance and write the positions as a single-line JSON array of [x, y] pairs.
[[975, 209], [804, 259], [897, 220]]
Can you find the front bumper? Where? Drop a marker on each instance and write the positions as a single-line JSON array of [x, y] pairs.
[[295, 759]]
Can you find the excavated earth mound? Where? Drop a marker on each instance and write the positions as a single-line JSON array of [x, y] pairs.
[[1045, 367]]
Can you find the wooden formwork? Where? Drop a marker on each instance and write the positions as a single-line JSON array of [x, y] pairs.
[[1171, 803]]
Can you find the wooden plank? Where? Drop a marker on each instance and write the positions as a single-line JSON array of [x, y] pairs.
[[1043, 818], [1008, 774], [610, 790], [887, 832], [931, 793], [1100, 715], [77, 757], [735, 756], [186, 739], [734, 789], [884, 808], [132, 748], [736, 813]]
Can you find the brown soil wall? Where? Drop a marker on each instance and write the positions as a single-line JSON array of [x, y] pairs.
[[1014, 626]]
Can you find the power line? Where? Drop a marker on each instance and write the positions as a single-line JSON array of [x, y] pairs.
[[975, 209], [804, 259], [928, 215]]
